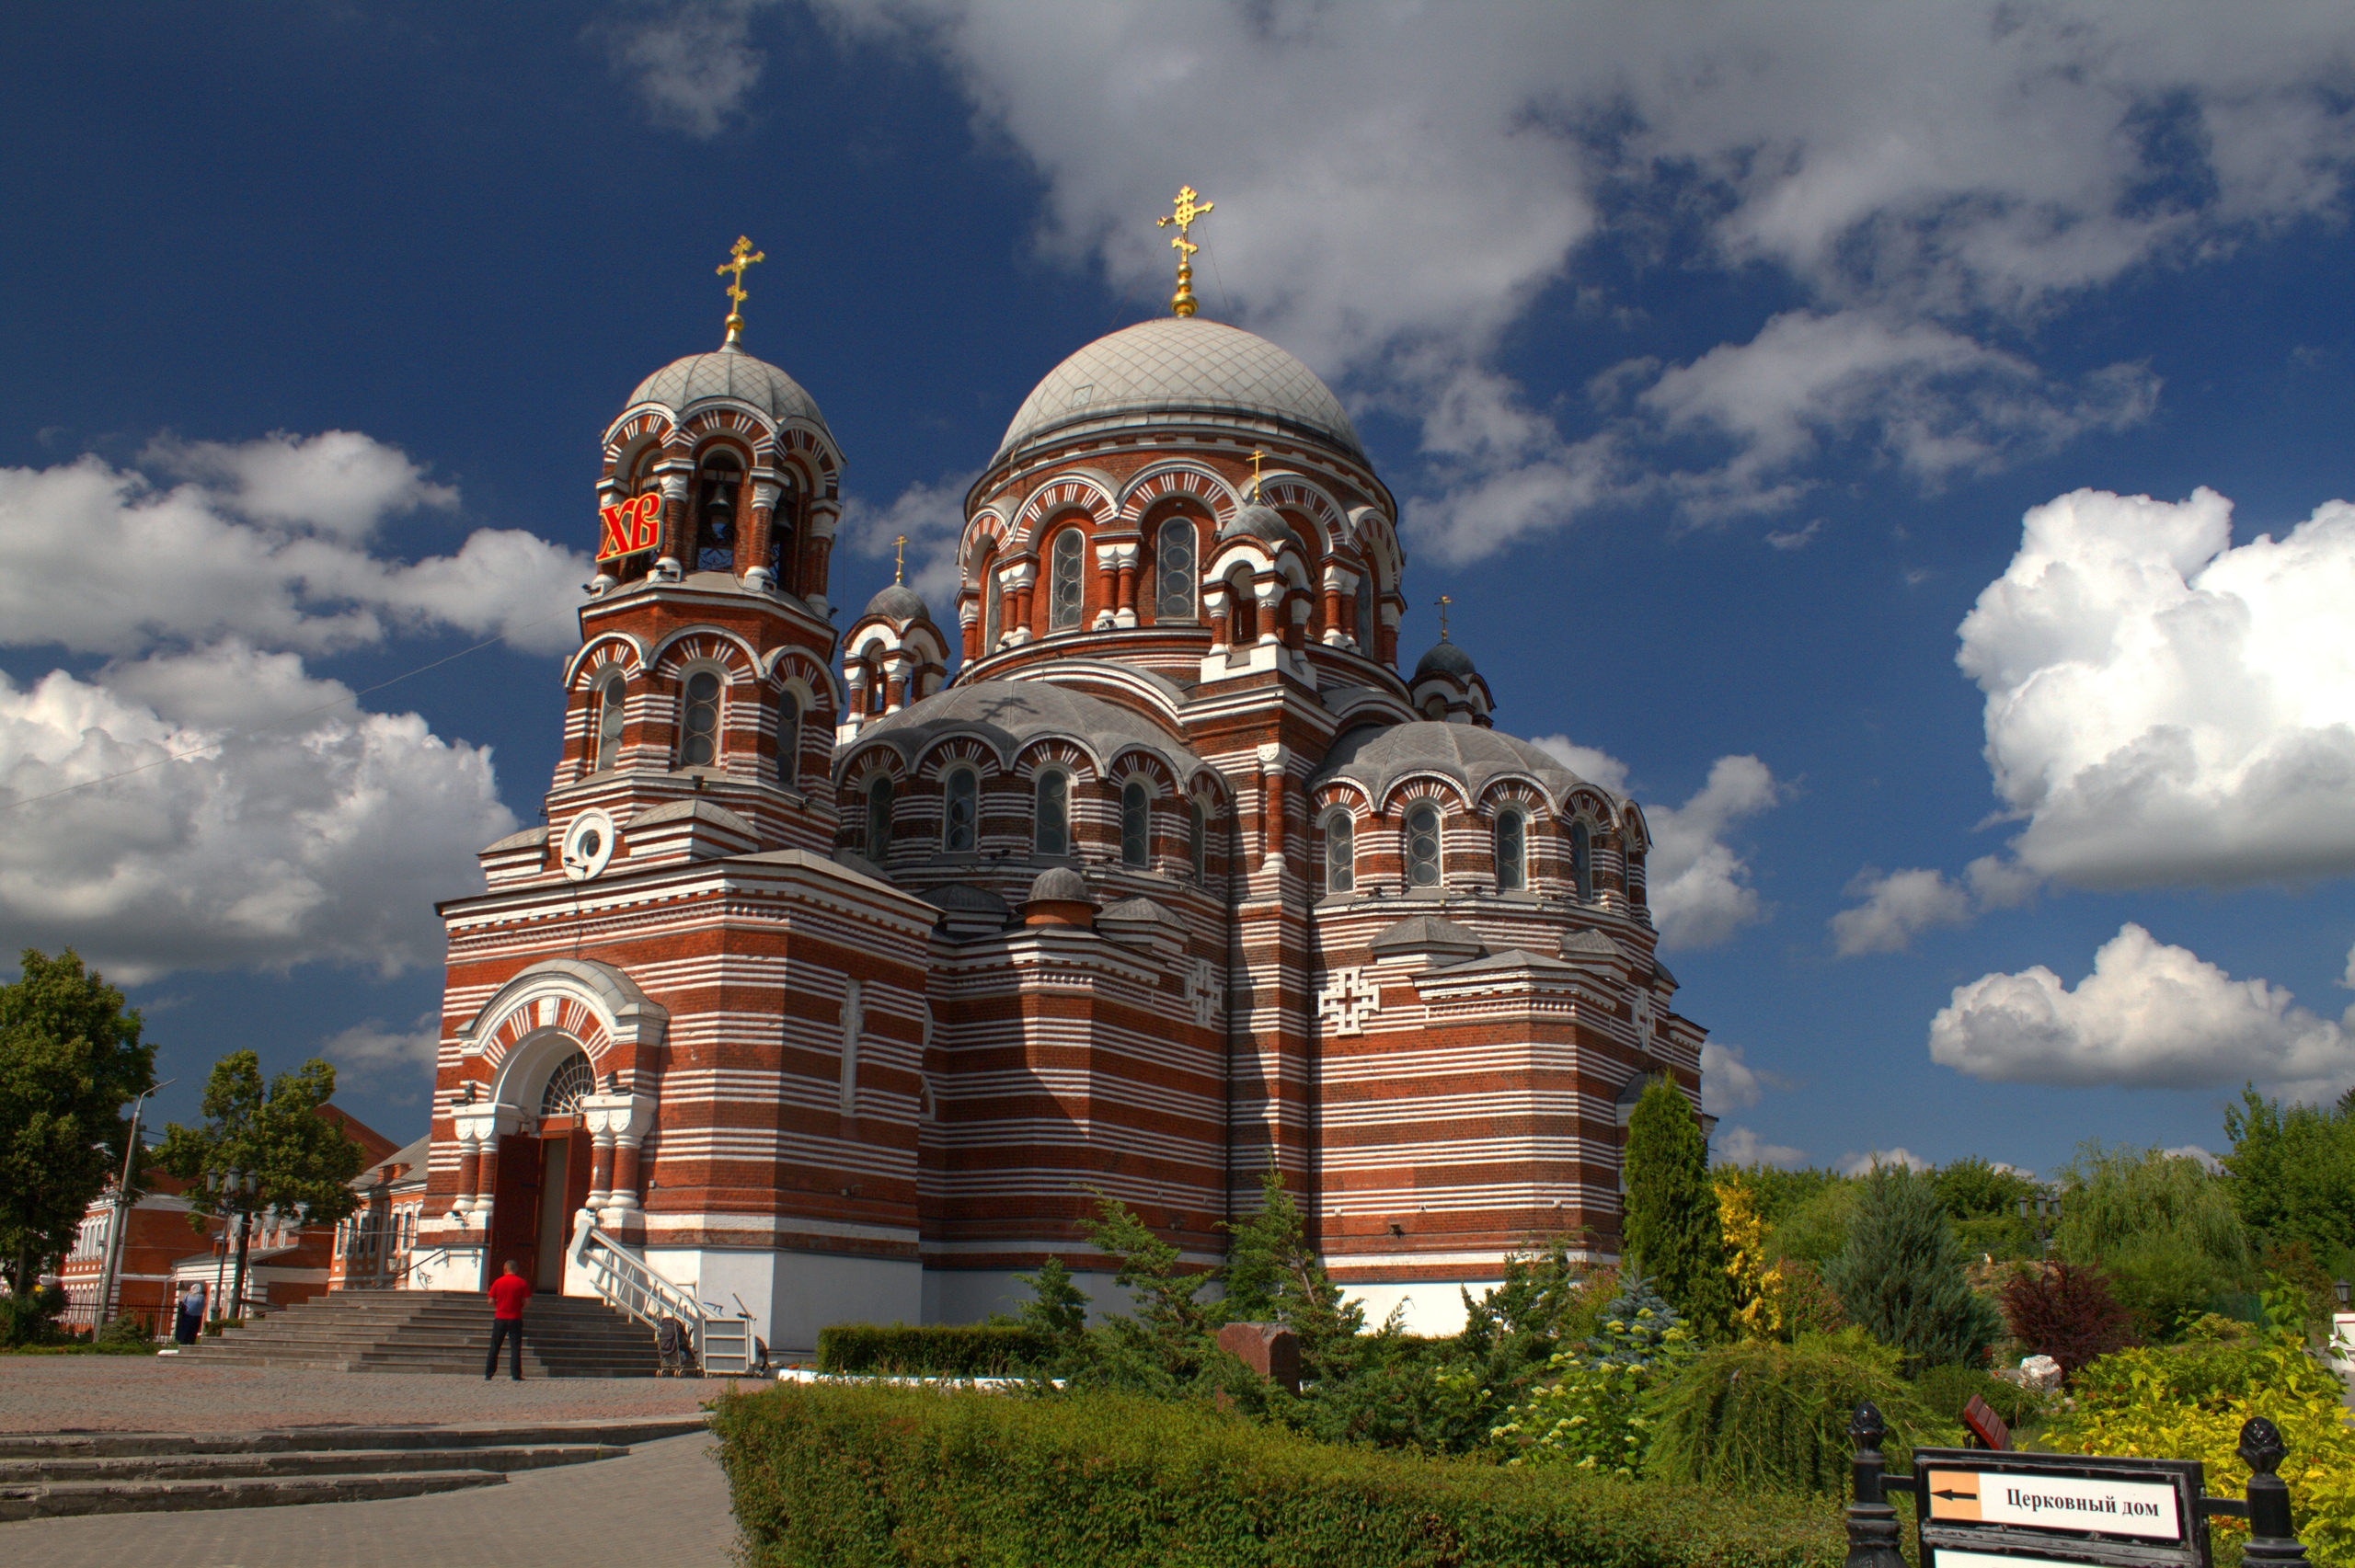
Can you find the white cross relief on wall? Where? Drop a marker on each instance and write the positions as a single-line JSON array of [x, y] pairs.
[[1203, 988], [1642, 1019], [1347, 1001]]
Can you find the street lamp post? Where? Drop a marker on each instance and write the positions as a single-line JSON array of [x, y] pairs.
[[242, 1185], [121, 1215], [2043, 1214]]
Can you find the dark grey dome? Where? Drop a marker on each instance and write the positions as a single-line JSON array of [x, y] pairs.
[[729, 376], [1377, 755], [1261, 522], [1058, 885], [1446, 658], [898, 603]]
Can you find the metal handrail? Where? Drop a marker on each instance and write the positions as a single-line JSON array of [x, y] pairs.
[[623, 1279]]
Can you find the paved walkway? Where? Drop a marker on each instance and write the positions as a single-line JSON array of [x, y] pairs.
[[665, 1506], [181, 1394]]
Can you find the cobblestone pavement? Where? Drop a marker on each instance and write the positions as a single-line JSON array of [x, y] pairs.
[[664, 1505], [174, 1393]]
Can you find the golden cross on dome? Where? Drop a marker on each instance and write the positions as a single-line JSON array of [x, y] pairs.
[[742, 255], [1183, 213], [899, 558], [1256, 458], [1443, 603]]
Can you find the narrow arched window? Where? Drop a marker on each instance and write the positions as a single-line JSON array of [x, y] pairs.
[[1173, 568], [1365, 613], [1341, 854], [1512, 854], [716, 514], [789, 739], [1052, 834], [879, 818], [961, 804], [700, 728], [785, 522], [1136, 824], [1067, 592], [1198, 836], [613, 695], [1244, 599], [1422, 847], [990, 610], [1582, 861]]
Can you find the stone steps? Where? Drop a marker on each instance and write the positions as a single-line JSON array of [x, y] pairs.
[[564, 1336], [53, 1475]]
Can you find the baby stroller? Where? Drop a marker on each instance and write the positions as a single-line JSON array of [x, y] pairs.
[[673, 1349]]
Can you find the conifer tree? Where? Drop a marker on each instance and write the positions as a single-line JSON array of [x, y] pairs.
[[1672, 1226], [1901, 1275]]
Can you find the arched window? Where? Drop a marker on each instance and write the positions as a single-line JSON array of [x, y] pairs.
[[1435, 708], [1136, 824], [1422, 846], [789, 739], [1198, 835], [716, 514], [1066, 592], [573, 1078], [990, 610], [1340, 853], [613, 695], [1173, 568], [960, 802], [1244, 615], [785, 521], [1365, 613], [700, 730], [1051, 832], [1582, 861], [879, 818], [1513, 852]]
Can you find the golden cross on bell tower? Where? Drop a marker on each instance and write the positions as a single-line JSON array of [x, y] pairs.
[[742, 255], [1258, 457], [1443, 603], [1183, 213], [899, 558]]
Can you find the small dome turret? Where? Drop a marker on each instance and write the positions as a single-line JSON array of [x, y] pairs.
[[1444, 658], [899, 604], [1257, 521], [1058, 885]]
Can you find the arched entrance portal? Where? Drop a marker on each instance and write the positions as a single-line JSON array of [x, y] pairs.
[[543, 1178]]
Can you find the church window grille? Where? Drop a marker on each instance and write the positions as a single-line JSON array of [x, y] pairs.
[[789, 739], [1365, 613], [716, 515], [879, 818], [1198, 834], [1067, 591], [989, 607], [1422, 847], [1582, 861], [1053, 831], [613, 692], [573, 1078], [1341, 854], [1512, 857], [1173, 564], [702, 727], [1136, 824], [959, 813]]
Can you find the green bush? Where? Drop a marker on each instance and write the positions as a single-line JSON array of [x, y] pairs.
[[834, 1474], [1759, 1416], [1591, 1410], [1817, 1229], [31, 1318], [1944, 1391], [2167, 1284], [1901, 1275], [944, 1351]]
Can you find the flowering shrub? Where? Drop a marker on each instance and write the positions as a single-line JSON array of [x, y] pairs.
[[1590, 1409]]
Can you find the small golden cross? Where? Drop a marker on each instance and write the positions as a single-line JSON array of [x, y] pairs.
[[1257, 457], [742, 255], [1443, 603], [899, 558], [1184, 212]]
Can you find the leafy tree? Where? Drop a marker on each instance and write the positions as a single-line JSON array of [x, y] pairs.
[[1057, 1307], [2292, 1171], [1776, 1193], [1901, 1275], [285, 1134], [2114, 1201], [1815, 1231], [1972, 1188], [70, 1059], [1671, 1209]]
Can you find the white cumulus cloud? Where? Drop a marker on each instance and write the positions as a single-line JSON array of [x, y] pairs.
[[1861, 1165], [2150, 1015], [1741, 1146], [373, 1053], [2165, 706], [1729, 1083]]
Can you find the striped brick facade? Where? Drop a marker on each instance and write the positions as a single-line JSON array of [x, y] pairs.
[[880, 975]]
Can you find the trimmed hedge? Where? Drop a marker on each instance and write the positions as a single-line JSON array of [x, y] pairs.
[[832, 1474], [946, 1351]]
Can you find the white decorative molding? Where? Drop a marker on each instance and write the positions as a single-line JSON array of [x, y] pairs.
[[1347, 1000], [1204, 993]]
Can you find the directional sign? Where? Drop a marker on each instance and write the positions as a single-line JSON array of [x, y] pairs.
[[1979, 1509]]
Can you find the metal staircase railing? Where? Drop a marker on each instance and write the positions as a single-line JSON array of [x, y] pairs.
[[723, 1345]]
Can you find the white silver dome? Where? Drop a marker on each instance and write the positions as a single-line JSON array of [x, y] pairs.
[[732, 375], [1181, 371]]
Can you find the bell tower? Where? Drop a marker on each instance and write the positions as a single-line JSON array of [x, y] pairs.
[[701, 706]]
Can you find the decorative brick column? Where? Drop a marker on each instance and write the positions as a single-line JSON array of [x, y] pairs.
[[1214, 611], [675, 474], [1272, 761], [824, 517], [1339, 583], [1014, 585], [1124, 605], [757, 574], [617, 1125]]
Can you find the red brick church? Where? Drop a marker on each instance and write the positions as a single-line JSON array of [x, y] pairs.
[[850, 959]]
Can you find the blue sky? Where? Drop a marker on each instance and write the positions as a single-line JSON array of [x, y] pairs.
[[1716, 357]]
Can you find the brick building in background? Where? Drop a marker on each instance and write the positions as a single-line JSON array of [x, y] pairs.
[[833, 982]]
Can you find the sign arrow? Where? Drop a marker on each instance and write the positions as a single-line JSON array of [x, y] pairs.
[[1972, 1496]]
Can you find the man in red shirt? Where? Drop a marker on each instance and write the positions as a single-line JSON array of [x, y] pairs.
[[508, 1294]]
